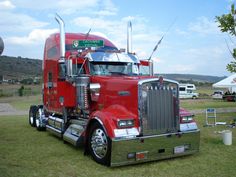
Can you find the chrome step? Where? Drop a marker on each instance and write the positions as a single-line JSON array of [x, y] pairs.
[[73, 134], [56, 123], [54, 131]]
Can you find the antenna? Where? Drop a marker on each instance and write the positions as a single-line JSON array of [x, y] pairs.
[[87, 34], [159, 42]]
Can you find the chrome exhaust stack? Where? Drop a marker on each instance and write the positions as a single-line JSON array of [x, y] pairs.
[[68, 63], [62, 37], [129, 37]]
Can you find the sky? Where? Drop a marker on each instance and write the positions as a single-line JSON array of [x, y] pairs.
[[192, 45]]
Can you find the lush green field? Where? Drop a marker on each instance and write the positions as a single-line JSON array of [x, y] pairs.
[[205, 103], [10, 90], [27, 152], [22, 103]]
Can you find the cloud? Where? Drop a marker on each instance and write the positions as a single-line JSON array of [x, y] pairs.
[[105, 13], [15, 22], [6, 5], [89, 22], [204, 26], [230, 1], [97, 7], [66, 5], [116, 30], [208, 53], [36, 37], [183, 68], [209, 60], [70, 7], [181, 32], [158, 60], [107, 8]]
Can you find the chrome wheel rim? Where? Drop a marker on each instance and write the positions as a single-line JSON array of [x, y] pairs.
[[37, 119], [99, 143], [37, 122], [31, 120]]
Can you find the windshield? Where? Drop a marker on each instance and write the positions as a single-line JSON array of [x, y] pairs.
[[113, 68]]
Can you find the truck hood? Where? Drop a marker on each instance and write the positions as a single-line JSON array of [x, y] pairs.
[[120, 92]]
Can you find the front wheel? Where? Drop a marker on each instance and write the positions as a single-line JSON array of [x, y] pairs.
[[99, 144]]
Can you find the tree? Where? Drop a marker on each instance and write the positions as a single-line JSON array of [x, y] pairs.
[[21, 90], [227, 23]]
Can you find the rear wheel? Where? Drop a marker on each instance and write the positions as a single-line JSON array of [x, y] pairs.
[[32, 115], [99, 144], [39, 119]]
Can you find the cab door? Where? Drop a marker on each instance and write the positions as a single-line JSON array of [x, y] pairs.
[[51, 91]]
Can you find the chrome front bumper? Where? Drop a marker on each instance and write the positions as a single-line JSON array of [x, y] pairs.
[[157, 147]]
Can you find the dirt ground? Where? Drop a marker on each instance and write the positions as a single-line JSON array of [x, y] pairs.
[[6, 110]]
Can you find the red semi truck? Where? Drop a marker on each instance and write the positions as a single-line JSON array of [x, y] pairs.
[[94, 96]]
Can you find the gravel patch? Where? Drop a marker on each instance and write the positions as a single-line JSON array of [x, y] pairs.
[[6, 110]]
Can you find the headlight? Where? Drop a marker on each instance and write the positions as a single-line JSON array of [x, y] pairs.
[[186, 119], [125, 123]]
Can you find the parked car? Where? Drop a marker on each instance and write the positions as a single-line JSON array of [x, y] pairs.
[[218, 94], [229, 96], [187, 91], [187, 122]]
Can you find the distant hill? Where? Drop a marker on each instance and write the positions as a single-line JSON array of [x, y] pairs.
[[19, 68], [193, 78]]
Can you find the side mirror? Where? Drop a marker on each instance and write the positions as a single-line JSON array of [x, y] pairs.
[[151, 68], [62, 71]]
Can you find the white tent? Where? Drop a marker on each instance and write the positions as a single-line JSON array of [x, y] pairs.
[[229, 82]]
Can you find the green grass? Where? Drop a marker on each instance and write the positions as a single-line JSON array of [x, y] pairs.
[[205, 103], [26, 152], [22, 103], [11, 90], [205, 92]]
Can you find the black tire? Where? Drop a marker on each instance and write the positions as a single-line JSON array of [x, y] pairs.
[[102, 156], [32, 115]]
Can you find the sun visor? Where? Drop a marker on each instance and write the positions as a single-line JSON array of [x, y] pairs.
[[112, 57]]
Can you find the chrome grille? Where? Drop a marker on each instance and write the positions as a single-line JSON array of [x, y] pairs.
[[158, 106]]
